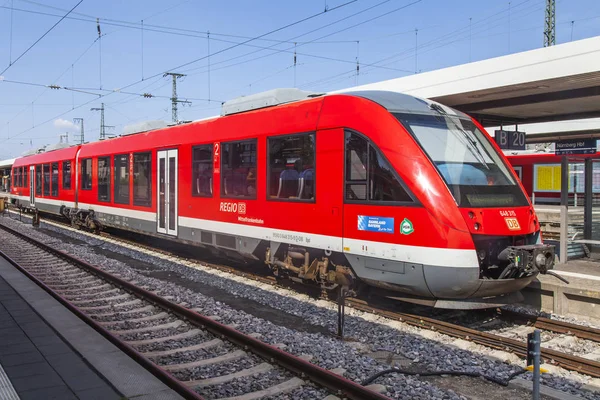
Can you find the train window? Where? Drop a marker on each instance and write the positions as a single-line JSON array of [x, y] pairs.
[[238, 169], [369, 176], [46, 179], [357, 153], [55, 179], [103, 178], [383, 184], [38, 180], [142, 179], [25, 180], [86, 174], [121, 179], [291, 173], [19, 177], [202, 170], [66, 175]]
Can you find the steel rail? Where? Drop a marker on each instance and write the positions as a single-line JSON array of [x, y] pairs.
[[583, 332], [154, 369], [570, 362], [519, 348], [321, 376]]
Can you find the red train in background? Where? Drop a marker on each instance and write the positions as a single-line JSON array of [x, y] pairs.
[[547, 191], [371, 188]]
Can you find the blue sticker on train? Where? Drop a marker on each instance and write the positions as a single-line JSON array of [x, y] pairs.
[[375, 224]]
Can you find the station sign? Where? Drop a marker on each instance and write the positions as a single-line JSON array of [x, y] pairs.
[[510, 140], [575, 146]]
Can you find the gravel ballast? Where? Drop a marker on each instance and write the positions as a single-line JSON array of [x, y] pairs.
[[423, 350]]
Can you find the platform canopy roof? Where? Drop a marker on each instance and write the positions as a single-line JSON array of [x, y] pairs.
[[7, 163], [556, 83]]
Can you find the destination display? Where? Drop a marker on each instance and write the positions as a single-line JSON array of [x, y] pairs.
[[575, 146]]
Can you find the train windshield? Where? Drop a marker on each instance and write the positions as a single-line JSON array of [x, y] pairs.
[[469, 164]]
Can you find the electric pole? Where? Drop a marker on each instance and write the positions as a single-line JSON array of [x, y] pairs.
[[102, 126], [174, 99], [550, 30], [81, 135]]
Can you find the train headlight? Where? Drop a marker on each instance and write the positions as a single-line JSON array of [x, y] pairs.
[[477, 226]]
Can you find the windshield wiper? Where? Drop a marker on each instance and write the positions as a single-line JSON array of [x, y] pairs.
[[474, 145]]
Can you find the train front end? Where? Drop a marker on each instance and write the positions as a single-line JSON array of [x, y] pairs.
[[476, 204], [501, 221]]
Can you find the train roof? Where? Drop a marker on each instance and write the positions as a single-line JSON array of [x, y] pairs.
[[392, 101], [153, 133], [404, 103], [48, 156]]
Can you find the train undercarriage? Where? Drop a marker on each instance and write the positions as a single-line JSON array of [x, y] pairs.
[[486, 285]]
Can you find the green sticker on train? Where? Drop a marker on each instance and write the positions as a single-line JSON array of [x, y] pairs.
[[406, 227]]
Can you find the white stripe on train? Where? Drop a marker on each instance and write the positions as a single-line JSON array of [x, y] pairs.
[[456, 258]]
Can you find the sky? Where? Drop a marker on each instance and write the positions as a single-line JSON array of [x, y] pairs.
[[251, 46]]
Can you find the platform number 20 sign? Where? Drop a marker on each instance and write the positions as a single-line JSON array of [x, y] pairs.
[[510, 140]]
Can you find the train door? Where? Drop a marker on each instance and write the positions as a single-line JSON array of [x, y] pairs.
[[167, 192], [32, 185], [329, 185]]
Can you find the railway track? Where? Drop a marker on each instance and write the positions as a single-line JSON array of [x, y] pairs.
[[515, 346], [193, 354], [552, 325]]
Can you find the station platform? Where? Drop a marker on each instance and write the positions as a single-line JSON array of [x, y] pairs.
[[580, 298], [46, 352]]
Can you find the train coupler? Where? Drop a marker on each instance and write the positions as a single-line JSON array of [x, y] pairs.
[[527, 259]]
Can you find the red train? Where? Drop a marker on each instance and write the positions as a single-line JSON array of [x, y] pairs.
[[540, 176], [367, 188]]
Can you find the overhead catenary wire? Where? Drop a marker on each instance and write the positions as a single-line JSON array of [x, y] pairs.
[[422, 46], [40, 38], [147, 27], [290, 49], [88, 90], [46, 87], [193, 61]]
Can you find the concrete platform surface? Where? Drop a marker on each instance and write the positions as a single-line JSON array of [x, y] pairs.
[[49, 353], [580, 298]]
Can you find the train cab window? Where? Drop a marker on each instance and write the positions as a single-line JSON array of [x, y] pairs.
[[86, 174], [46, 179], [38, 180], [369, 176], [66, 175], [357, 152], [202, 170], [55, 179], [121, 179], [238, 169], [103, 178], [142, 179], [291, 173]]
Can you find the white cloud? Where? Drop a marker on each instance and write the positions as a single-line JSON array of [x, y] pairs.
[[64, 124]]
